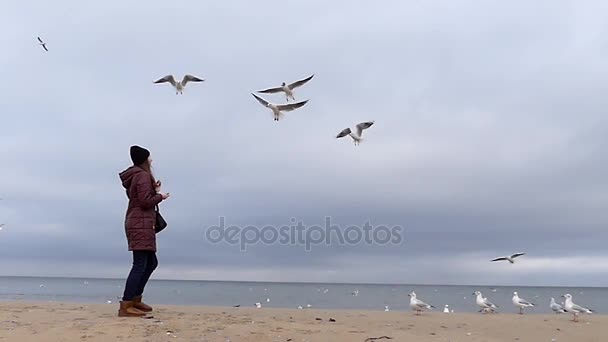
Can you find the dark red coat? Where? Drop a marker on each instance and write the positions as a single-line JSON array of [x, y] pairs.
[[140, 218]]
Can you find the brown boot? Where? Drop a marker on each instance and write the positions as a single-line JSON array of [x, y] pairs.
[[127, 310], [139, 305]]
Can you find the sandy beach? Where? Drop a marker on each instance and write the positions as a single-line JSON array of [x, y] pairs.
[[31, 321]]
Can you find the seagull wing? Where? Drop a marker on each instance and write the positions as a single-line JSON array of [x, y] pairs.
[[168, 78], [40, 40], [344, 133], [488, 303], [44, 47], [516, 255], [261, 100], [524, 302], [580, 308], [271, 90], [291, 106], [300, 82], [422, 304], [362, 126], [499, 259], [190, 78]]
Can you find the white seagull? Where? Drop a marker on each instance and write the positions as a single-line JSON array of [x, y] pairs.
[[287, 88], [356, 137], [484, 303], [556, 307], [446, 309], [521, 303], [43, 44], [1, 226], [418, 305], [574, 309], [509, 258], [277, 110], [179, 86]]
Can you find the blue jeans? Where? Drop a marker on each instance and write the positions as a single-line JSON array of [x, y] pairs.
[[144, 263]]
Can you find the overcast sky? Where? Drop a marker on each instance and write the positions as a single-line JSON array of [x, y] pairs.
[[489, 136]]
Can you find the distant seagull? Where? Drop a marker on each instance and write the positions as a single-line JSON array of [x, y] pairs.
[[509, 258], [1, 226], [520, 303], [43, 44], [446, 309], [258, 305], [287, 88], [356, 137], [267, 300], [418, 305], [355, 293], [179, 86], [277, 110], [574, 309], [483, 302], [386, 309], [556, 307]]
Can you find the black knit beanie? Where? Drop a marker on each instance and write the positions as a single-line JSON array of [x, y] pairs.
[[139, 155]]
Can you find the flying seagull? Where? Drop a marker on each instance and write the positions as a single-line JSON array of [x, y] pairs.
[[509, 258], [179, 86], [574, 309], [1, 226], [418, 305], [521, 303], [484, 303], [287, 88], [43, 44], [556, 307], [356, 136], [277, 110]]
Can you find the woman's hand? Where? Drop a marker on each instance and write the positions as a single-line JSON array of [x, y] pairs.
[[165, 196]]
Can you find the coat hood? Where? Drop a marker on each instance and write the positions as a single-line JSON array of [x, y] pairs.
[[127, 175]]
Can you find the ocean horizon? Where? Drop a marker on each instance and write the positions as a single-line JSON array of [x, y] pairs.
[[350, 296]]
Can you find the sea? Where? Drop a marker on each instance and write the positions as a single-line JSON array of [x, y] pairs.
[[377, 297]]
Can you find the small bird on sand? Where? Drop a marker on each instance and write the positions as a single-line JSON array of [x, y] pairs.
[[521, 303], [287, 88], [179, 86], [483, 303], [556, 307], [509, 258], [418, 305], [574, 309], [359, 131]]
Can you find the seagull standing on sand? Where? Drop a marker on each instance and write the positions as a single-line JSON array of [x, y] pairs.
[[277, 110], [509, 258], [521, 303], [418, 305], [446, 309], [287, 88], [574, 309], [484, 303], [179, 86], [43, 44], [556, 307], [356, 137]]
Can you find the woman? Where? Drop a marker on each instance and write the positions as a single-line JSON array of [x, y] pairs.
[[144, 194]]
